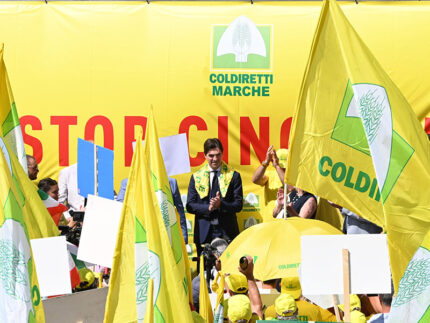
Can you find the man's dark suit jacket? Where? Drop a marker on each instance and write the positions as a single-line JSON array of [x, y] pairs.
[[230, 204]]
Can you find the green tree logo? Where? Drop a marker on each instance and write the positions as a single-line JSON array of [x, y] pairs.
[[365, 123], [241, 45]]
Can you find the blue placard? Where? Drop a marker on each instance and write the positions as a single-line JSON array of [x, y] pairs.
[[105, 173], [85, 167]]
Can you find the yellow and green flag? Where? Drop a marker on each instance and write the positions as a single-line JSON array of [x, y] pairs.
[[357, 142], [10, 128], [411, 303], [144, 251], [219, 289], [161, 187], [186, 262], [19, 293], [205, 307]]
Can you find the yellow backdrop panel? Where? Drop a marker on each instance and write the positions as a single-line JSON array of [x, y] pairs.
[[93, 69]]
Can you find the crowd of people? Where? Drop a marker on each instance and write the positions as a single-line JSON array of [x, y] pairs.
[[215, 196]]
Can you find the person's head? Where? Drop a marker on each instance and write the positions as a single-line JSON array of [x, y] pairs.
[[237, 284], [239, 309], [32, 167], [291, 285], [354, 302], [213, 152], [282, 157], [220, 245], [386, 300], [49, 186], [88, 279], [286, 308]]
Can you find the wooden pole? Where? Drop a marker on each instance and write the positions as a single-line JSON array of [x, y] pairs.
[[336, 309], [346, 286]]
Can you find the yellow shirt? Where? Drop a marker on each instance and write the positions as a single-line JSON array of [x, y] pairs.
[[270, 193], [326, 315]]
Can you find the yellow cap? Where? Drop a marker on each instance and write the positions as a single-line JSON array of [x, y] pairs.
[[358, 317], [285, 305], [291, 285], [354, 301], [239, 308], [237, 283], [282, 156], [87, 278]]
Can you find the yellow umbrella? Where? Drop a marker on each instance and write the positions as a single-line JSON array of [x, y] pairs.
[[274, 245]]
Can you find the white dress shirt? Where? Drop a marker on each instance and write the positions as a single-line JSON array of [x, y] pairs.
[[68, 188]]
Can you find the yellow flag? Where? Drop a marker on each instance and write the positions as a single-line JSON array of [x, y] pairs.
[[219, 289], [20, 296], [205, 308], [149, 315], [143, 251], [186, 261], [161, 187], [10, 127], [123, 297], [329, 214], [356, 140]]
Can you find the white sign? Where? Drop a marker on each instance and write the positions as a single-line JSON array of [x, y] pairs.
[[175, 154], [322, 269], [52, 265], [99, 231]]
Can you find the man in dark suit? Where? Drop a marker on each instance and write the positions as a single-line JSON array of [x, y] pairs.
[[215, 196]]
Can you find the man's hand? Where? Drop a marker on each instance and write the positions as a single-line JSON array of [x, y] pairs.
[[280, 197], [71, 223], [269, 157], [215, 202], [249, 270], [275, 159]]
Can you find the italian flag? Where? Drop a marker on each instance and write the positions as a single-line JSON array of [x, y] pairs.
[[74, 264], [54, 208]]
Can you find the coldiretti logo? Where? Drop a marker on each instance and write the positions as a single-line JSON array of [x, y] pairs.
[[241, 45], [365, 123], [242, 53]]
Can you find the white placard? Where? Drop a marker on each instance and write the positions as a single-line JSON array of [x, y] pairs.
[[175, 154], [321, 267], [52, 265], [99, 231]]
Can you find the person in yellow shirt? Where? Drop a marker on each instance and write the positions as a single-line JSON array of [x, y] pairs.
[[356, 315], [270, 178], [306, 310], [286, 308], [244, 284], [239, 310]]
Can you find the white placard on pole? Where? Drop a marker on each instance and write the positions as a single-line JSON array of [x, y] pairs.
[[99, 231], [321, 267], [52, 265], [175, 154]]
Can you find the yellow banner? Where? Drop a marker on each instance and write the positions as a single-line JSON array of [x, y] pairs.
[[93, 69]]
